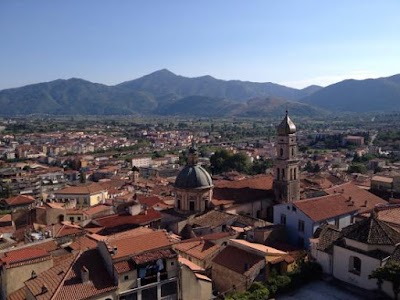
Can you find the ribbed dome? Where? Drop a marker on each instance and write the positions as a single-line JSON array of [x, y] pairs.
[[287, 126], [192, 177]]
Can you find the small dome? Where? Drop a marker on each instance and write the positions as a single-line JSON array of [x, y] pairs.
[[192, 177], [287, 126]]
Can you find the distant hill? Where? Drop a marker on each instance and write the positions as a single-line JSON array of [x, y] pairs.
[[165, 82], [73, 96], [161, 92], [381, 94], [259, 107], [166, 93]]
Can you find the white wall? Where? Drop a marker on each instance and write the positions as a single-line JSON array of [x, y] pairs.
[[341, 258]]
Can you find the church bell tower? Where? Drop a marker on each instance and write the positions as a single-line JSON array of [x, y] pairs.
[[286, 165]]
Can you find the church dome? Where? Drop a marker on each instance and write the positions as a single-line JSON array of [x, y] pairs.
[[193, 177], [286, 126]]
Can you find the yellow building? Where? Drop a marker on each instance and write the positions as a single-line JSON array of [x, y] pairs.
[[84, 195]]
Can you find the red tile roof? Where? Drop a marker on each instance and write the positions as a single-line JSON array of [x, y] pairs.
[[140, 219], [20, 200], [145, 257], [17, 295], [91, 188], [325, 207], [199, 249], [24, 256], [358, 195], [124, 266], [237, 260], [64, 280], [64, 229], [127, 247], [258, 182], [97, 209]]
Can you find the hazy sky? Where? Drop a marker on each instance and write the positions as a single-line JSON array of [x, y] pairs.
[[295, 43]]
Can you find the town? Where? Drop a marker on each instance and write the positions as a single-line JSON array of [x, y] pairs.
[[184, 208]]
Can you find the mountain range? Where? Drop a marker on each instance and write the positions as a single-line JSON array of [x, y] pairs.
[[165, 93]]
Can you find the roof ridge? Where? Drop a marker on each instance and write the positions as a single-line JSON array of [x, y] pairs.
[[57, 290]]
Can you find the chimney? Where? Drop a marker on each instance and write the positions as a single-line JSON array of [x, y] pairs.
[[351, 203], [33, 274], [114, 250], [44, 289], [348, 199], [84, 274], [365, 203]]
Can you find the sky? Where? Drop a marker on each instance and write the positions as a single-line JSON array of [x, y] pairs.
[[294, 43]]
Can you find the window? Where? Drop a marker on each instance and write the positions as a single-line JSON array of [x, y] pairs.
[[281, 151], [79, 218], [283, 219], [283, 174], [71, 219], [295, 175], [293, 151], [178, 204], [301, 226], [354, 265], [126, 277], [191, 205], [291, 174], [294, 209]]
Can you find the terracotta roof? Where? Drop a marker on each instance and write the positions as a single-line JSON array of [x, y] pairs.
[[266, 250], [19, 200], [91, 188], [358, 195], [237, 260], [213, 218], [83, 243], [124, 266], [64, 281], [64, 229], [258, 182], [89, 241], [148, 200], [113, 221], [191, 265], [24, 256], [130, 246], [5, 218], [389, 214], [145, 257], [199, 249], [17, 295], [325, 207], [96, 209], [372, 231]]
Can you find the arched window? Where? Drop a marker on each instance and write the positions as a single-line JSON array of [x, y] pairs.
[[281, 151], [355, 265]]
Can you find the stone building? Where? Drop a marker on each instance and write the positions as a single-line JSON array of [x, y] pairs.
[[286, 166]]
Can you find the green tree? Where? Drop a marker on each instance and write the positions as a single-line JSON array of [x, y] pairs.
[[389, 272]]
